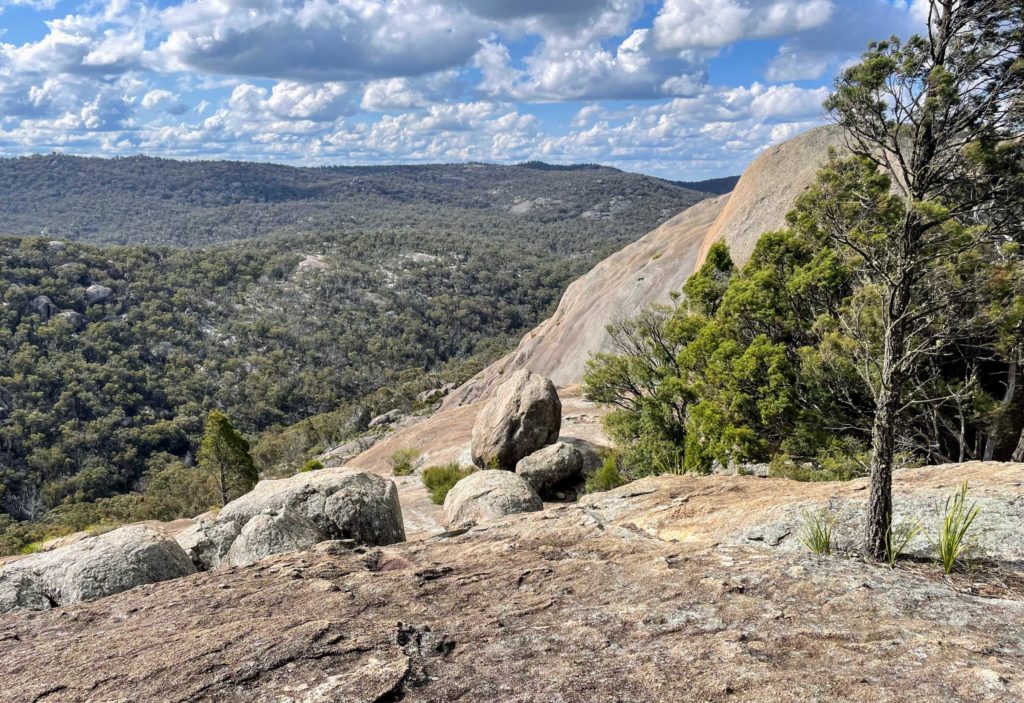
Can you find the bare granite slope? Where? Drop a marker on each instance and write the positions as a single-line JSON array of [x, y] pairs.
[[650, 269], [657, 591]]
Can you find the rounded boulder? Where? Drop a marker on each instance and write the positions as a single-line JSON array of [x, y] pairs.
[[524, 415], [488, 495]]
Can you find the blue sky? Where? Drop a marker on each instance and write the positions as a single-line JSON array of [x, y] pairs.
[[684, 89]]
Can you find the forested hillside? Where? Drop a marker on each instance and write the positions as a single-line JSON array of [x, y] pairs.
[[160, 201], [111, 356]]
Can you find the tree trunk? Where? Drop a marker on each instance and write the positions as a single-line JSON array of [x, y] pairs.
[[1018, 453], [1011, 388], [883, 428]]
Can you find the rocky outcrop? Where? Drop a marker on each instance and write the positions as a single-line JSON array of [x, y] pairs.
[[272, 532], [555, 464], [96, 293], [92, 568], [657, 265], [208, 541], [384, 419], [651, 592], [74, 318], [342, 503], [524, 415], [488, 495]]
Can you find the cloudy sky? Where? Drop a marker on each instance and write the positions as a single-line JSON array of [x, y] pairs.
[[684, 89]]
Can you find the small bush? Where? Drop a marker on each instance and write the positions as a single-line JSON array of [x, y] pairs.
[[957, 518], [816, 531], [440, 479], [607, 477], [898, 537], [311, 465], [402, 461]]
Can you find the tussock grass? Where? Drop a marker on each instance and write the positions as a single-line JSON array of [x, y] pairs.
[[402, 461], [898, 537], [957, 518], [440, 479], [816, 531]]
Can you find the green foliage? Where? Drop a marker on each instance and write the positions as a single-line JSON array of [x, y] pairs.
[[224, 454], [402, 461], [608, 476], [311, 465], [776, 362], [952, 541], [897, 537], [816, 531], [441, 479]]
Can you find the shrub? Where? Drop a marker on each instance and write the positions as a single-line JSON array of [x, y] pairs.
[[402, 461], [816, 531], [312, 465], [440, 479], [608, 476], [957, 518]]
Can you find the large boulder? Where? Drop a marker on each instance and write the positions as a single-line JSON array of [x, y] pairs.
[[44, 306], [342, 503], [272, 532], [554, 464], [92, 568], [524, 415], [388, 418], [208, 541], [488, 495], [97, 294]]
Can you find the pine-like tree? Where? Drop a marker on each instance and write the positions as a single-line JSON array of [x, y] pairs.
[[224, 453]]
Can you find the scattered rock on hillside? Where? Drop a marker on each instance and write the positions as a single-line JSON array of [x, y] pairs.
[[76, 319], [93, 568], [555, 464], [272, 532], [488, 495], [388, 418], [339, 456], [44, 306], [435, 394], [524, 415], [97, 294], [342, 503]]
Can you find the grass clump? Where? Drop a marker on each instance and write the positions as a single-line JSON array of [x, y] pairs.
[[607, 477], [816, 531], [402, 461], [897, 537], [440, 479], [311, 465], [952, 541]]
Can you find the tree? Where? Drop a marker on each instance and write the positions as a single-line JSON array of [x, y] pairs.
[[942, 116], [224, 453]]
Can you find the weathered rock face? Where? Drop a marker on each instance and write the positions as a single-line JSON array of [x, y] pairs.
[[270, 533], [651, 592], [97, 294], [208, 541], [488, 495], [342, 503], [93, 568], [391, 416], [554, 464], [524, 415]]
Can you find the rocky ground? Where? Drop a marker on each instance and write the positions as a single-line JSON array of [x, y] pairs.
[[675, 588]]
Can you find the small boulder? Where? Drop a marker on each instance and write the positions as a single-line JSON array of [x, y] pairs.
[[44, 306], [76, 319], [272, 532], [97, 294], [488, 495], [391, 416], [92, 568], [207, 542], [524, 415], [342, 503], [554, 464]]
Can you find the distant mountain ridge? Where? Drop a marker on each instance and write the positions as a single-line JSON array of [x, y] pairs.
[[141, 199]]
